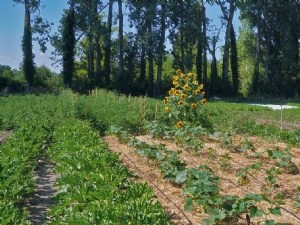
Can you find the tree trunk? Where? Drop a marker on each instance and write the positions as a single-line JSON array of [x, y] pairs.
[[91, 56], [161, 48], [143, 66], [98, 62], [257, 55], [225, 68], [214, 69], [28, 64], [121, 80], [267, 60], [204, 48], [234, 63], [107, 48], [150, 60], [200, 45]]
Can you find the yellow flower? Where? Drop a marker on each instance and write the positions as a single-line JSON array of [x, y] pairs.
[[203, 93], [186, 87], [175, 78], [193, 105], [182, 75], [183, 96], [203, 101], [176, 92], [179, 124], [197, 91], [178, 72], [180, 103], [195, 82], [190, 74], [175, 83], [200, 86], [171, 92], [167, 109]]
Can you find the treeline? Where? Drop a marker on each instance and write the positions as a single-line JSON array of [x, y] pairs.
[[160, 36]]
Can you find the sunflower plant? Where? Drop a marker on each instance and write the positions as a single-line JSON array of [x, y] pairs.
[[184, 100]]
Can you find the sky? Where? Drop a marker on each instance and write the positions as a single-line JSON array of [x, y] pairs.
[[11, 30]]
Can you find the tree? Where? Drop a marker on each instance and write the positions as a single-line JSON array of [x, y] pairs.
[[275, 24], [39, 26], [28, 63], [161, 47], [121, 79], [228, 14], [107, 47], [68, 45], [234, 63]]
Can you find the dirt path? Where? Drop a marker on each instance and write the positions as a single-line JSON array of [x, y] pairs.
[[41, 200]]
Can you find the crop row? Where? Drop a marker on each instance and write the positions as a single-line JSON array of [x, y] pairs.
[[201, 185], [93, 186], [17, 162]]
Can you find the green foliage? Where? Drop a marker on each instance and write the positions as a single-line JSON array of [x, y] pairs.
[[92, 180]]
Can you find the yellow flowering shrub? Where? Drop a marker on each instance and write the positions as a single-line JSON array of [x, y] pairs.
[[184, 99]]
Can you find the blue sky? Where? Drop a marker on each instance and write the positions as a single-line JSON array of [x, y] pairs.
[[11, 30]]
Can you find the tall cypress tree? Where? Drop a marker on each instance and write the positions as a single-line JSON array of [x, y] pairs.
[[68, 45], [28, 64]]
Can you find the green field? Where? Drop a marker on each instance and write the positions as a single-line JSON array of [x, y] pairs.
[[94, 186]]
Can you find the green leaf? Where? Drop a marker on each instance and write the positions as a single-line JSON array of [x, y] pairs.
[[255, 197], [188, 205], [270, 222], [275, 211], [218, 214], [181, 177], [255, 212]]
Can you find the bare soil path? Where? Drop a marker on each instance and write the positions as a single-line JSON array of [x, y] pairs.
[[42, 199]]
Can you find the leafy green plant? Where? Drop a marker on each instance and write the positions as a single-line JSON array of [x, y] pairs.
[[243, 173], [225, 162], [93, 180]]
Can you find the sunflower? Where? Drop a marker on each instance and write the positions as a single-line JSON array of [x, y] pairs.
[[167, 109], [200, 87], [175, 78], [203, 101], [179, 124], [182, 75], [186, 87], [193, 105], [171, 92], [176, 92], [190, 74], [175, 83], [197, 91], [183, 96], [195, 82], [180, 103], [178, 71]]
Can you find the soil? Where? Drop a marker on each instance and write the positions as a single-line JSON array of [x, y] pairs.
[[41, 200], [225, 161]]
